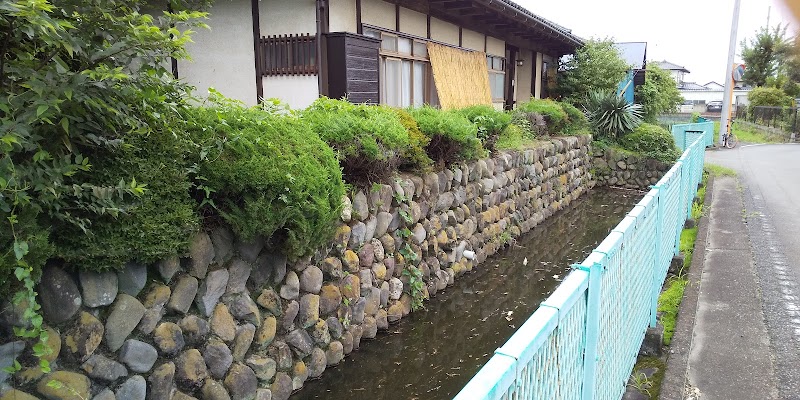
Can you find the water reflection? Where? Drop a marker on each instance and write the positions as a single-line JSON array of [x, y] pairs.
[[433, 353]]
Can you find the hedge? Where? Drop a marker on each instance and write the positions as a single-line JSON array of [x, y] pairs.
[[269, 175]]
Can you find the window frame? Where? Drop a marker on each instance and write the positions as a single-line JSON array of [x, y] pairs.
[[387, 55], [490, 59]]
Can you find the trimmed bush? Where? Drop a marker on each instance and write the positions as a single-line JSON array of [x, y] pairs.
[[652, 141], [415, 158], [552, 111], [369, 140], [532, 124], [268, 175], [154, 225], [453, 137], [576, 119], [514, 137], [489, 121]]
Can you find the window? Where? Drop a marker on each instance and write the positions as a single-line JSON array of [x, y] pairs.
[[497, 76], [545, 92], [406, 77], [287, 55]]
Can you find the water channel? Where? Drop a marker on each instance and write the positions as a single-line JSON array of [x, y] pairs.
[[433, 353]]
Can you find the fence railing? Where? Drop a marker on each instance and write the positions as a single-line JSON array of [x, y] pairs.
[[685, 133], [287, 55], [582, 342], [784, 118]]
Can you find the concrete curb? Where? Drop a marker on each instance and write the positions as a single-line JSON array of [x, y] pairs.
[[674, 382]]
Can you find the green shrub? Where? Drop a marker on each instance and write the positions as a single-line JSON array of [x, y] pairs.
[[576, 119], [768, 96], [155, 225], [36, 238], [489, 121], [453, 137], [415, 159], [652, 141], [532, 124], [610, 115], [514, 137], [552, 111], [268, 175], [370, 140]]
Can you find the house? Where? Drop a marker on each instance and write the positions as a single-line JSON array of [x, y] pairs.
[[714, 86], [399, 52], [635, 55], [700, 95], [678, 72]]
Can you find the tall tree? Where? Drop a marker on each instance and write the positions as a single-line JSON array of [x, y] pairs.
[[764, 53], [596, 66], [659, 94]]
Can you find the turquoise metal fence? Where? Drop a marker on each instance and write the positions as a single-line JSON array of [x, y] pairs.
[[683, 133], [582, 342]]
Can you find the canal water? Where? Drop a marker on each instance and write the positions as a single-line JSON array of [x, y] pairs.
[[432, 354]]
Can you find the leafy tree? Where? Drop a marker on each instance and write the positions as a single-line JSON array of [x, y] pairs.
[[659, 94], [77, 78], [763, 54], [764, 96], [595, 67]]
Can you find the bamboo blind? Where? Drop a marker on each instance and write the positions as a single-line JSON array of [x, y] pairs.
[[461, 77]]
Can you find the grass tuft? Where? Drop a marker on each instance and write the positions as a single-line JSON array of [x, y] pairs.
[[718, 170], [668, 305]]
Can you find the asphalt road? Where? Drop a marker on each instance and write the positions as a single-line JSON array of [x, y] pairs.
[[769, 176]]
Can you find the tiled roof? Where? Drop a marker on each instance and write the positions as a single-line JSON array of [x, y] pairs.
[[670, 66]]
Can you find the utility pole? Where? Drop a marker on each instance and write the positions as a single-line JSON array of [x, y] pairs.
[[769, 11], [725, 118]]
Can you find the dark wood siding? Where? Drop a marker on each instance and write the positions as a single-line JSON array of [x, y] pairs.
[[353, 67]]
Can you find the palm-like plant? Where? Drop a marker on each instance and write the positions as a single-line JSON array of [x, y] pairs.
[[610, 115]]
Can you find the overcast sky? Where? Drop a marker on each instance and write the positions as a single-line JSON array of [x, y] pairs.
[[691, 33]]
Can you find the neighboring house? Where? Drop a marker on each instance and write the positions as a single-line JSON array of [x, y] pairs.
[[702, 95], [678, 72], [401, 53], [714, 86], [635, 55]]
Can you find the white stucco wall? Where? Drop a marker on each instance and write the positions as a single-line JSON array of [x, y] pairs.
[[223, 57], [472, 40], [495, 46], [444, 31], [413, 22], [297, 91], [378, 13], [279, 17], [524, 75], [342, 16]]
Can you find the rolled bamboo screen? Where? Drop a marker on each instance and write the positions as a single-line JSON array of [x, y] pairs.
[[461, 77]]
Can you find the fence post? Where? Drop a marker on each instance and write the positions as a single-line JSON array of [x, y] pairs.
[[687, 200], [681, 194], [656, 291], [592, 329]]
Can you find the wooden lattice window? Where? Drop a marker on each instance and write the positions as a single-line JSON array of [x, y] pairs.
[[288, 55]]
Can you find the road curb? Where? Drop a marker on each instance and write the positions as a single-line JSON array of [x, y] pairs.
[[674, 382]]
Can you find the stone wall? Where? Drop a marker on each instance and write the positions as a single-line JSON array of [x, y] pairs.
[[625, 170], [237, 320]]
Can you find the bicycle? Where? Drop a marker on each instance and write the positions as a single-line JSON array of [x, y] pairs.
[[729, 140]]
